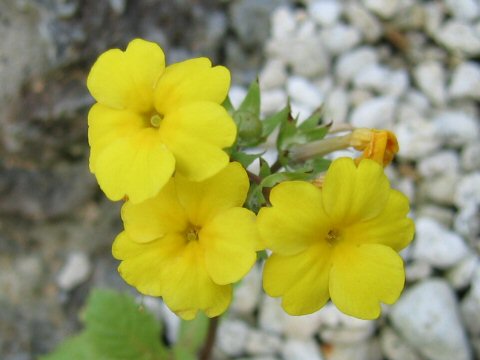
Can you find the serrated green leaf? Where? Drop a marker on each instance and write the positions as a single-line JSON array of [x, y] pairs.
[[244, 158], [286, 135], [120, 329], [270, 123], [312, 121], [76, 348], [251, 103], [227, 104], [315, 134], [191, 337]]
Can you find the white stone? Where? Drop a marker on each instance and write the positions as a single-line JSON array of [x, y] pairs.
[[383, 8], [439, 163], [359, 96], [440, 188], [434, 14], [456, 128], [394, 347], [301, 350], [283, 22], [301, 111], [430, 77], [470, 306], [232, 336], [463, 9], [75, 271], [437, 245], [272, 101], [426, 316], [377, 113], [468, 190], [466, 81], [262, 343], [247, 293], [373, 77], [273, 75], [398, 83], [470, 157], [236, 95], [458, 36], [325, 12], [272, 317], [303, 91], [467, 222], [416, 140], [353, 62], [417, 100], [367, 350], [441, 214], [302, 327], [340, 38], [336, 105], [461, 274], [360, 18], [418, 270], [172, 323]]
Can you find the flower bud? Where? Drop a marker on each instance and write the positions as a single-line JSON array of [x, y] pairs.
[[378, 145]]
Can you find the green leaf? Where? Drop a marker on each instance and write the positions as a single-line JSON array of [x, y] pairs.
[[76, 348], [120, 329], [270, 123], [274, 179], [264, 169], [286, 135], [191, 338], [312, 122], [316, 134], [244, 158], [251, 103], [227, 104], [255, 198]]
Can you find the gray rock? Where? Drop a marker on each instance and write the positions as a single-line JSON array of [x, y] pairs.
[[75, 271], [301, 350], [466, 81], [376, 113], [430, 77], [436, 245], [426, 316], [456, 128], [325, 12], [394, 347], [458, 36]]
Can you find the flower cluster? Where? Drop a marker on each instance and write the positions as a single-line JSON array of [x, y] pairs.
[[158, 137]]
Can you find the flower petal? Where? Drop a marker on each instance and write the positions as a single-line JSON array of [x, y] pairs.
[[188, 288], [363, 276], [155, 217], [126, 80], [295, 220], [190, 81], [106, 125], [352, 194], [137, 166], [391, 227], [230, 241], [203, 200], [301, 279], [144, 264]]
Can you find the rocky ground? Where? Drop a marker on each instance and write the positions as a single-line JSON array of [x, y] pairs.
[[406, 65]]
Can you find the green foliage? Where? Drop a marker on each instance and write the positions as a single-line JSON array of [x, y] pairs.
[[115, 328], [247, 118]]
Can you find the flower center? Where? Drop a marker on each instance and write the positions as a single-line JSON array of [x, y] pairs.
[[155, 120], [333, 237], [192, 233]]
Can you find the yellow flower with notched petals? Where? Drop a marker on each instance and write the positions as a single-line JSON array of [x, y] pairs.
[[150, 121], [190, 242], [339, 242]]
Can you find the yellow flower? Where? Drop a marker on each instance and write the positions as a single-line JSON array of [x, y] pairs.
[[150, 121], [339, 242], [378, 145], [189, 243]]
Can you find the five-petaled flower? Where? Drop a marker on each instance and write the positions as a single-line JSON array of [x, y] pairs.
[[151, 121], [339, 242], [189, 243]]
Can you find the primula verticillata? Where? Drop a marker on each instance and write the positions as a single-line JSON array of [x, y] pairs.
[[151, 120], [189, 243], [340, 241]]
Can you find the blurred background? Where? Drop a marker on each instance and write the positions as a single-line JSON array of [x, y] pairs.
[[406, 65]]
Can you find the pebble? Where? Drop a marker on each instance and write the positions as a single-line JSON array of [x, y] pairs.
[[340, 38], [247, 292], [271, 316], [465, 81], [467, 192], [456, 128], [463, 9], [461, 274], [467, 222], [470, 306], [458, 36], [430, 78], [373, 77], [351, 63], [426, 316], [439, 188], [301, 350], [273, 101], [418, 270], [436, 245], [262, 343], [376, 113], [416, 140], [76, 270], [336, 105], [304, 92], [439, 163], [470, 157], [394, 347], [302, 327], [325, 12], [232, 337], [441, 214], [368, 350], [273, 75], [361, 19], [384, 8]]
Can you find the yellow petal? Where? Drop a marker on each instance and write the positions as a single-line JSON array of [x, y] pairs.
[[144, 264], [230, 241], [196, 135], [301, 279], [126, 80], [352, 194], [203, 200], [190, 81], [363, 276], [106, 125], [391, 227], [137, 166], [155, 217], [188, 287], [295, 220]]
